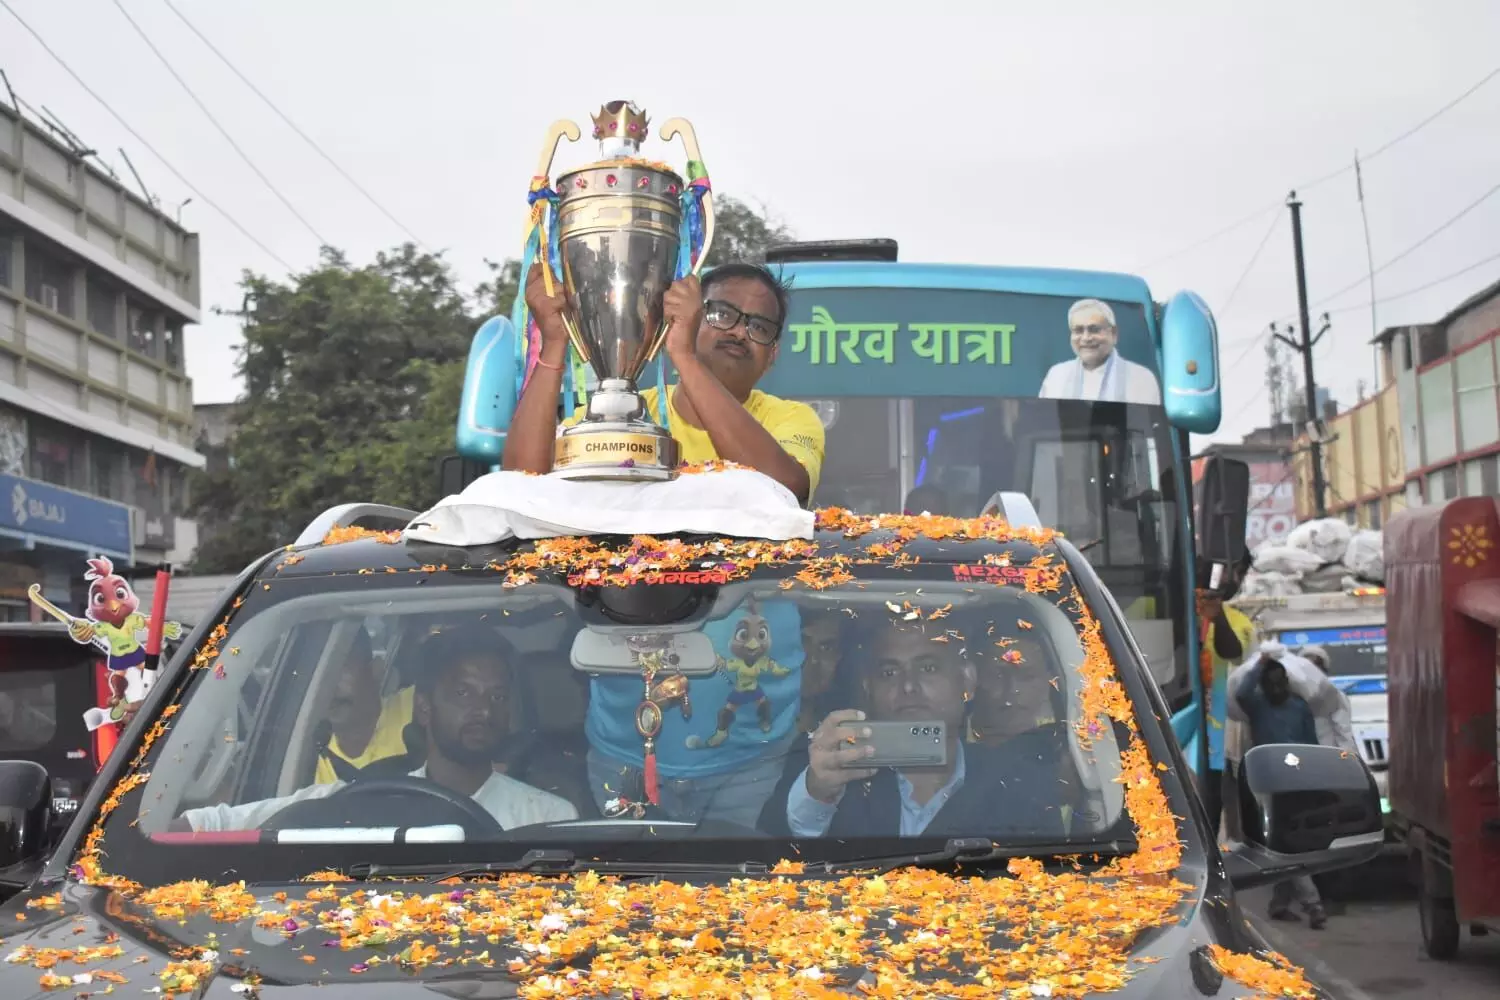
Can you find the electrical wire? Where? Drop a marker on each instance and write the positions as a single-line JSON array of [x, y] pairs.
[[1422, 287], [1305, 185], [293, 125], [167, 63], [138, 138], [1224, 309], [1409, 250]]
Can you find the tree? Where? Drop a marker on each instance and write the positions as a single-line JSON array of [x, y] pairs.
[[742, 233], [342, 366], [352, 382]]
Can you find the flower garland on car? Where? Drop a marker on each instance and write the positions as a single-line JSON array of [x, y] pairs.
[[910, 933]]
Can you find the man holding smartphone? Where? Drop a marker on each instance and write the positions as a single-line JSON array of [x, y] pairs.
[[909, 678]]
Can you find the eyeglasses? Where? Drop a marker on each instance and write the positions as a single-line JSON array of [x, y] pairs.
[[722, 316], [1094, 328]]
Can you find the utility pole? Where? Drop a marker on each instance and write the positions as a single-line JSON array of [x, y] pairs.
[[1304, 346]]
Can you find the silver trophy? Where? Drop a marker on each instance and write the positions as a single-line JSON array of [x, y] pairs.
[[618, 230]]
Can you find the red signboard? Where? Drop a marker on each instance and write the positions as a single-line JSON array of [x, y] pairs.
[[1273, 504]]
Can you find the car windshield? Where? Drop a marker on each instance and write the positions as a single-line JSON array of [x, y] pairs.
[[415, 712]]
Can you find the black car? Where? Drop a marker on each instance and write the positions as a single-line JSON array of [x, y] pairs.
[[587, 770], [47, 683]]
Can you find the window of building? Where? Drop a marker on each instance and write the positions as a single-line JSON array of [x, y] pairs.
[[7, 254], [49, 280], [171, 344], [140, 329], [102, 300], [57, 455], [1372, 515], [1442, 485], [1480, 477], [108, 470]]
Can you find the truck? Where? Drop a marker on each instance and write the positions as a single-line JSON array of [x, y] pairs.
[[1442, 572], [1350, 627]]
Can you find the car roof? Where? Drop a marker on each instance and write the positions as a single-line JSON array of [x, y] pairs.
[[379, 551]]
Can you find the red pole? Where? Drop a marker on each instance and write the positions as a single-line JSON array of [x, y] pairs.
[[158, 615]]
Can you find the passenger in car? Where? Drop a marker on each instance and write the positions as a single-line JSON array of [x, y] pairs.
[[363, 727], [462, 704], [908, 676]]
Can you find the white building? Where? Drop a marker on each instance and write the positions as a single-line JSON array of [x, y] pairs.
[[96, 413]]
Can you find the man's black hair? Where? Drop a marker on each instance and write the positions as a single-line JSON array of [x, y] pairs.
[[773, 281], [446, 649]]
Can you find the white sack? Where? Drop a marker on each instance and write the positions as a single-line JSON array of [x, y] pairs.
[[1365, 556], [1326, 538], [739, 503], [1270, 585], [1285, 559]]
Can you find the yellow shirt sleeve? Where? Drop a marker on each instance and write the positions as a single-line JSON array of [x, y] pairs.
[[796, 427], [388, 740]]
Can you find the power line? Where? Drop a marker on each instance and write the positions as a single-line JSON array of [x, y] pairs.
[[1423, 287], [293, 125], [1246, 220], [1413, 248], [221, 129], [138, 138], [1224, 309]]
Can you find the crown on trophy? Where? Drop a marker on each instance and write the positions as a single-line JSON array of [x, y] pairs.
[[621, 120]]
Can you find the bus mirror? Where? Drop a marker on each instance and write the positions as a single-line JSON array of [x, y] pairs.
[[1221, 507], [491, 387], [1190, 364]]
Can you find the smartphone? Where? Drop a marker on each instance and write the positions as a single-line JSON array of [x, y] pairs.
[[901, 744]]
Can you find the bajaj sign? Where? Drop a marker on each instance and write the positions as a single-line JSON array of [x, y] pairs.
[[45, 514]]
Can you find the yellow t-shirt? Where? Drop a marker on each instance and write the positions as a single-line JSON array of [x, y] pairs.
[[794, 425], [386, 741]]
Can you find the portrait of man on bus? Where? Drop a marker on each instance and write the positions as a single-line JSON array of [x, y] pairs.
[[1097, 372]]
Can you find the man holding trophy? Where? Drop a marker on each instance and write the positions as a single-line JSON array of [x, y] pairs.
[[721, 335]]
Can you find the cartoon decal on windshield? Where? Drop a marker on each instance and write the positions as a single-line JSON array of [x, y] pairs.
[[749, 657], [113, 625]]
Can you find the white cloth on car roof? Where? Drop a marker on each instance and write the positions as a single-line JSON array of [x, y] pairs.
[[740, 503]]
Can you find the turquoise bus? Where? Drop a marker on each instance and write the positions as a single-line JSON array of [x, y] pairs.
[[966, 381]]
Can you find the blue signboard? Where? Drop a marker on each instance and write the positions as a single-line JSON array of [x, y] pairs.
[[1335, 636], [1366, 684], [946, 342], [30, 510]]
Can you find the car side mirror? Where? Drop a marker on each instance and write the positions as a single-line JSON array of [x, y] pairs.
[[25, 811], [1303, 810]]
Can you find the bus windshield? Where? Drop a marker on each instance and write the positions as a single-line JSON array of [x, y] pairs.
[[936, 400]]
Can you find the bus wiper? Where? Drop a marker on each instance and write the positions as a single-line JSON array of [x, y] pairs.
[[556, 860], [978, 850]]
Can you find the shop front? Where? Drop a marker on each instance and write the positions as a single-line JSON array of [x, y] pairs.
[[46, 533]]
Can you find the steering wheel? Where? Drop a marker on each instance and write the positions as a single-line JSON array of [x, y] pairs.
[[369, 803]]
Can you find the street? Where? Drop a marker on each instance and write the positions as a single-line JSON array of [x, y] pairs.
[[1373, 949]]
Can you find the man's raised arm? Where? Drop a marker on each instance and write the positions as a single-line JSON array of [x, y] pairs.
[[531, 444]]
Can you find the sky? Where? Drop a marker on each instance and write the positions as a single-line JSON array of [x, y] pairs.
[[1093, 139]]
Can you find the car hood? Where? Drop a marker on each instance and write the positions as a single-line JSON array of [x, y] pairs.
[[111, 939]]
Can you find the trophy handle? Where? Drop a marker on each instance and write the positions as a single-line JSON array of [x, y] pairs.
[[669, 131], [555, 132]]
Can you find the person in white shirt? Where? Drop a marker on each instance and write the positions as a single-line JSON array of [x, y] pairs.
[[462, 702], [1098, 372]]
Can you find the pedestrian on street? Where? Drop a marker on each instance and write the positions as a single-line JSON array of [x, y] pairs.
[[1278, 715]]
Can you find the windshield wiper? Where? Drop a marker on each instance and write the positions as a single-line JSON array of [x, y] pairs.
[[559, 861], [978, 850]]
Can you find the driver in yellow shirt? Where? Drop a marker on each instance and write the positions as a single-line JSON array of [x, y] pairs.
[[366, 728], [722, 337]]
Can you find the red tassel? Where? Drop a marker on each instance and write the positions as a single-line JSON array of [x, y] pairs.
[[653, 788]]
